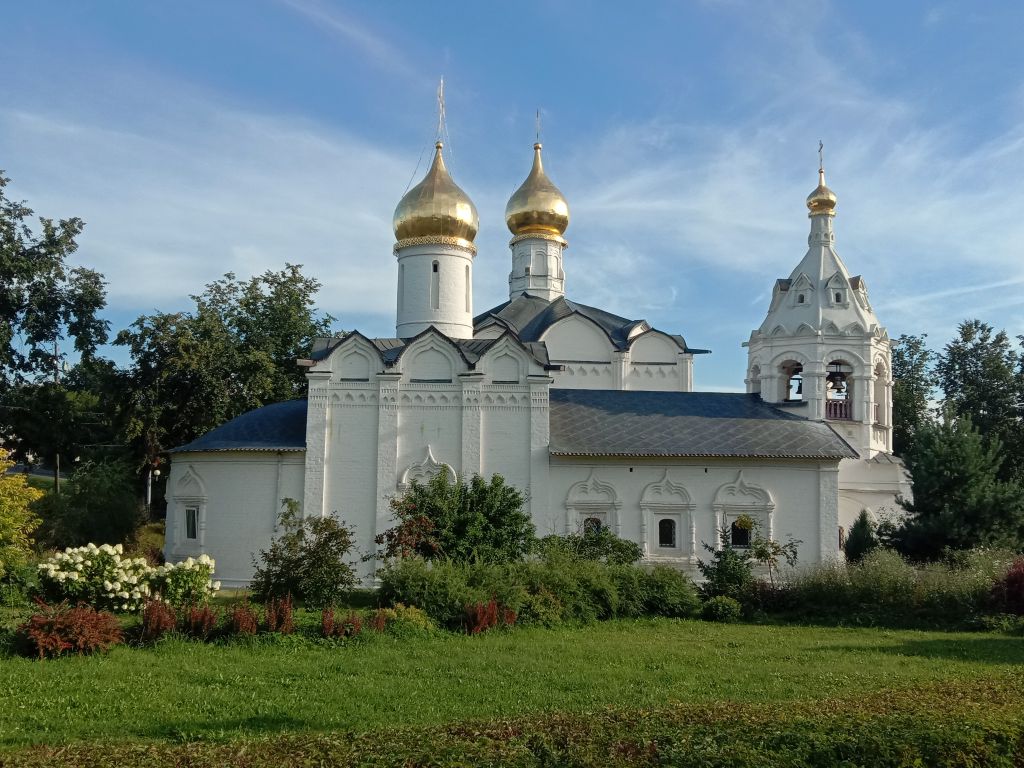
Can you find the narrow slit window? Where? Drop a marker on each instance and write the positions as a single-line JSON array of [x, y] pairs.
[[435, 287], [191, 522]]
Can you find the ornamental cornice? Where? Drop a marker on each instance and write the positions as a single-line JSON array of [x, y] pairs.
[[551, 236], [458, 243]]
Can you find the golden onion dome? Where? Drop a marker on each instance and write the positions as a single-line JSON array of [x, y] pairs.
[[822, 201], [537, 206], [436, 207]]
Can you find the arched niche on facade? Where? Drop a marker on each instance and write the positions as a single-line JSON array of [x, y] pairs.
[[668, 528], [653, 347], [592, 499], [431, 358], [188, 519], [738, 498], [354, 366], [506, 362], [422, 471], [578, 338]]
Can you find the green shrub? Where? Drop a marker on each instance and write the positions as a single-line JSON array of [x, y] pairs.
[[478, 520], [885, 588], [883, 579], [308, 561], [723, 609], [822, 588], [598, 543], [498, 581], [18, 585], [18, 522], [729, 573], [632, 590], [407, 621], [439, 588], [861, 539], [671, 593], [541, 608], [557, 577], [549, 591]]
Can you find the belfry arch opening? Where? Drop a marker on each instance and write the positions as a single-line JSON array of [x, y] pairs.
[[792, 381], [839, 390]]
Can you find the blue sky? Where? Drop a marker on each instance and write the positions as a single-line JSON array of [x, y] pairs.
[[198, 137]]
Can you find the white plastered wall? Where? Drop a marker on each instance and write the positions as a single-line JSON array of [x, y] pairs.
[[428, 413], [791, 499], [238, 497]]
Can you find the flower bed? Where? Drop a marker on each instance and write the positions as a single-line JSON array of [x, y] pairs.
[[101, 577]]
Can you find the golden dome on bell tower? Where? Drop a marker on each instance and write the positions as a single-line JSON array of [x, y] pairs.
[[436, 207], [538, 205]]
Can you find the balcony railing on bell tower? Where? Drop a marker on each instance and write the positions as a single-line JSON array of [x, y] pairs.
[[838, 410]]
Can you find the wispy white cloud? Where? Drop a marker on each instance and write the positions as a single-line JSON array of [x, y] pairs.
[[216, 191], [372, 45], [712, 213]]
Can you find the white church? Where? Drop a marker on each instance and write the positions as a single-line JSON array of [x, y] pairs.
[[592, 415]]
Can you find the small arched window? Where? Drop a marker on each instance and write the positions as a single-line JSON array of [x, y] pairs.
[[839, 298], [592, 525], [800, 298], [667, 534]]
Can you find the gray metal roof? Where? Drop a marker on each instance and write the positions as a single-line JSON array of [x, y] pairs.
[[597, 422], [391, 349], [277, 427], [587, 422], [530, 316]]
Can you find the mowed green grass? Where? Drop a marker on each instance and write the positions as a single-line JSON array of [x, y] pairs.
[[183, 690]]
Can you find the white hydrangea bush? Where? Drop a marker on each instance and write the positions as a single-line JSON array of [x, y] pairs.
[[189, 582], [102, 577], [98, 576]]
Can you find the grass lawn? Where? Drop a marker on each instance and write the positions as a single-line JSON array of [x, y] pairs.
[[183, 690]]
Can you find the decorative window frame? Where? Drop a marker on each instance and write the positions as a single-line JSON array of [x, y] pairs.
[[666, 499], [739, 498], [196, 499], [592, 498], [422, 471]]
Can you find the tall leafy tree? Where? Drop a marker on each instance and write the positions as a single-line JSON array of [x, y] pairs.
[[43, 300], [912, 389], [235, 351], [960, 501], [979, 373]]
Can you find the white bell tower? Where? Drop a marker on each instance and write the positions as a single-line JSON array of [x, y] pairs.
[[821, 350]]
